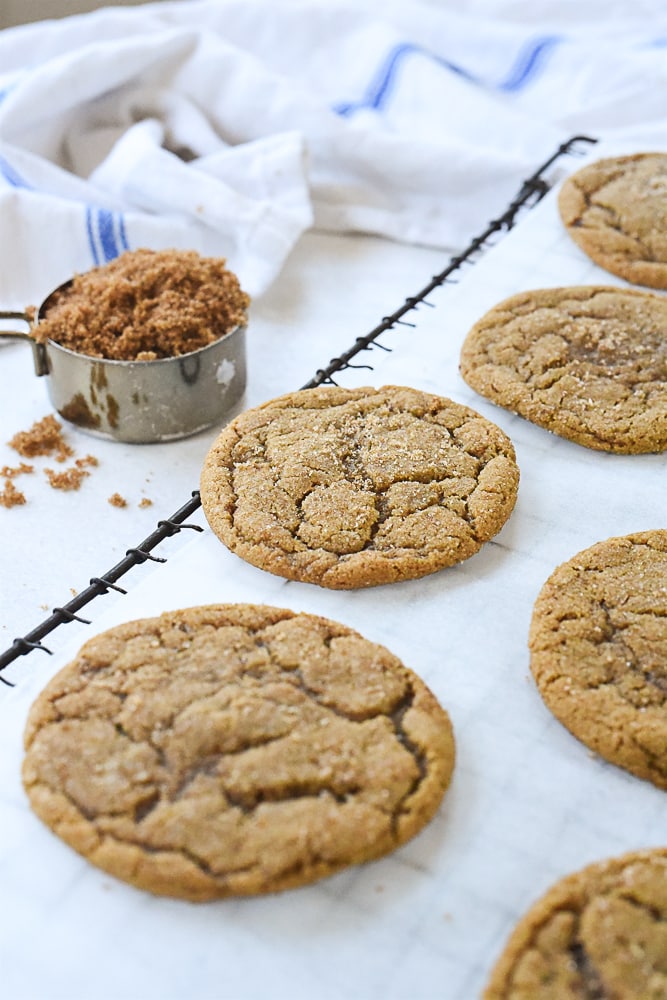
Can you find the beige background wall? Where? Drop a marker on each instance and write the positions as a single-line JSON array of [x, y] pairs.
[[14, 12]]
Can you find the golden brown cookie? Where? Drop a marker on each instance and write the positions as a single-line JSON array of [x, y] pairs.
[[235, 750], [355, 487], [616, 211], [598, 641], [599, 933], [588, 363]]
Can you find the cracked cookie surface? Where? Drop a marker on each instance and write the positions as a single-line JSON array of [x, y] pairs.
[[598, 934], [350, 488], [598, 641], [234, 750], [588, 363], [616, 211]]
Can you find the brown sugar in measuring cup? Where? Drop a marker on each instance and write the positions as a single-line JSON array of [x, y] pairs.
[[150, 347]]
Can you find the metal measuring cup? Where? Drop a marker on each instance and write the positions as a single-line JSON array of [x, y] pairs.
[[138, 401]]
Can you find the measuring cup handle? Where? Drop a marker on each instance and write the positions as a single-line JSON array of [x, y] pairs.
[[13, 314], [38, 350]]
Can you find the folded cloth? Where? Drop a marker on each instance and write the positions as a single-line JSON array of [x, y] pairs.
[[232, 126]]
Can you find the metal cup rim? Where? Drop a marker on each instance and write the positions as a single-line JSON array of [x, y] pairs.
[[120, 362]]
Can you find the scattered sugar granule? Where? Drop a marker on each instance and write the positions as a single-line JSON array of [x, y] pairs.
[[68, 479], [10, 472], [10, 496], [44, 438]]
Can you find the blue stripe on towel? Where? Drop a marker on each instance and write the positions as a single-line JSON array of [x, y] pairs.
[[91, 235], [106, 233], [9, 87], [122, 235], [527, 65], [12, 176], [105, 225], [385, 78], [100, 223]]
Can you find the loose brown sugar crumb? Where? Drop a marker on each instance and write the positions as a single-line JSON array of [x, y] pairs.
[[145, 502], [44, 438], [145, 305], [68, 479], [10, 496], [116, 500], [10, 472]]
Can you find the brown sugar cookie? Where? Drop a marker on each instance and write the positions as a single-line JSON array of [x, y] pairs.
[[588, 363], [600, 932], [598, 642], [234, 750], [616, 211], [355, 487]]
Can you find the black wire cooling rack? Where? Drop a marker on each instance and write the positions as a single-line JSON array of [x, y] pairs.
[[531, 192]]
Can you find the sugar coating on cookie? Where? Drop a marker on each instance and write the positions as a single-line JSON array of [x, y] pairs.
[[598, 643], [588, 363], [235, 750], [616, 210], [600, 932], [350, 488]]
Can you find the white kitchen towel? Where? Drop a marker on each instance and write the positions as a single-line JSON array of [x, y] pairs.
[[231, 126]]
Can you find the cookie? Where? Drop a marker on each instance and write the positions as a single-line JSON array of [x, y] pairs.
[[588, 363], [598, 642], [600, 932], [616, 211], [350, 488], [234, 750]]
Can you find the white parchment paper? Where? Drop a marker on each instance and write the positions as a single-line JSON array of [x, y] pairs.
[[528, 803]]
